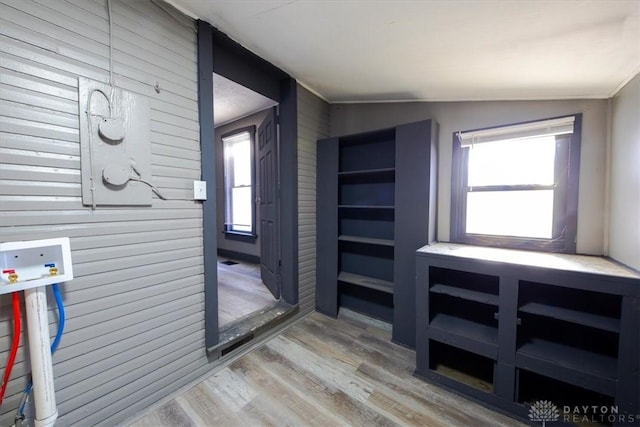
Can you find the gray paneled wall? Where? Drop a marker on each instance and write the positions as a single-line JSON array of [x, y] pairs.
[[135, 311], [135, 330], [313, 124]]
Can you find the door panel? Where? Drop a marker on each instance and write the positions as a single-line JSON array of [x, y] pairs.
[[267, 203]]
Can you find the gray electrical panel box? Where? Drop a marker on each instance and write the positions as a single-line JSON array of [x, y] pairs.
[[115, 145]]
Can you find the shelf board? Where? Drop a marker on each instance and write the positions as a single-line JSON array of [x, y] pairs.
[[366, 282], [366, 206], [574, 316], [583, 368], [477, 296], [368, 240], [464, 334], [381, 171], [465, 328]]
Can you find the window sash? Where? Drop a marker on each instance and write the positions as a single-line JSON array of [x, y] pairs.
[[239, 175], [557, 218], [565, 193]]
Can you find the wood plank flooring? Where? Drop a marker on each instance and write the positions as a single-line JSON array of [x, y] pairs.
[[322, 372], [240, 292]]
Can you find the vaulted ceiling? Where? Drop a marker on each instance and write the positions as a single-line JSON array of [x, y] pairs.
[[444, 50]]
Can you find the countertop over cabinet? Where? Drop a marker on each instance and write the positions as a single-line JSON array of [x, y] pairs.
[[566, 262]]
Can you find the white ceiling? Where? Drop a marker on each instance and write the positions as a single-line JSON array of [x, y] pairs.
[[232, 101], [444, 50]]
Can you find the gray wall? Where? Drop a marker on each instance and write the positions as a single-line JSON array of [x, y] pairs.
[[313, 124], [135, 329], [135, 310], [455, 116], [624, 215], [223, 243]]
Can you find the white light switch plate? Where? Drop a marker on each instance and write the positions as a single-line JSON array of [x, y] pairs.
[[199, 190]]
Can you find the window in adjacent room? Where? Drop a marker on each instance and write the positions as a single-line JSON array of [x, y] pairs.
[[239, 182], [517, 185]]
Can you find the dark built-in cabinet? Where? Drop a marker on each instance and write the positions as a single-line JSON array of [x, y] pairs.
[[375, 208], [511, 328]]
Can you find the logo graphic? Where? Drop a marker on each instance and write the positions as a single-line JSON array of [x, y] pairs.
[[544, 410]]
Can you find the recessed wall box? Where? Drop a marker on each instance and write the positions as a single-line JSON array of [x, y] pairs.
[[35, 263]]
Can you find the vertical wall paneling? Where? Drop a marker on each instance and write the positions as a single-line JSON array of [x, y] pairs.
[[313, 124], [135, 311]]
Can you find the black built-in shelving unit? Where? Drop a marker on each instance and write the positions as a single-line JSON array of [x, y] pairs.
[[375, 207], [510, 328]]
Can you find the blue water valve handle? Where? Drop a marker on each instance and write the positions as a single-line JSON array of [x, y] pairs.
[[53, 270]]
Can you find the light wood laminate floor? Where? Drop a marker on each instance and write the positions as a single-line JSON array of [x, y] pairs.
[[322, 372], [240, 291]]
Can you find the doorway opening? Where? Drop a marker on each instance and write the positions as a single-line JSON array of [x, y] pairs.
[[246, 155], [277, 226]]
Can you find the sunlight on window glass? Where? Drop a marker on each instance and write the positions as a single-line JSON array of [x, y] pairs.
[[238, 182], [241, 209], [511, 213], [242, 162], [512, 162]]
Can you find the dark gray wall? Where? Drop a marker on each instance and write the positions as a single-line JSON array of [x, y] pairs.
[[224, 243], [455, 116]]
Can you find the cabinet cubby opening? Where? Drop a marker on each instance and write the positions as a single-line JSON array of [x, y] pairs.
[[472, 286], [471, 311], [535, 328], [462, 366], [376, 190], [582, 353], [367, 152], [367, 301], [371, 223], [589, 308], [366, 260], [570, 400]]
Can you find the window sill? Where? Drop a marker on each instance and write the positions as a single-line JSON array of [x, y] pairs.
[[538, 245], [240, 236]]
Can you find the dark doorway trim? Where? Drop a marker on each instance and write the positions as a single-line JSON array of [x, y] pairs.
[[208, 157], [218, 53], [244, 67], [288, 164]]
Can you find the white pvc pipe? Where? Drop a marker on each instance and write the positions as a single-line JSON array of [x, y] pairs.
[[40, 355]]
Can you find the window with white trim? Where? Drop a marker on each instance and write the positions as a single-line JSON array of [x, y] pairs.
[[517, 185], [239, 184]]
